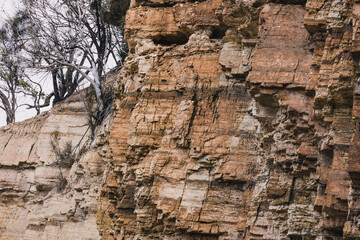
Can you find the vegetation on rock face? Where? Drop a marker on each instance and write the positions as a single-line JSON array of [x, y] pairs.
[[68, 41], [65, 157], [13, 77]]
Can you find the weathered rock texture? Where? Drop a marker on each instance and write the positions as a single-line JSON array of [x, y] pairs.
[[236, 120], [232, 120], [39, 198]]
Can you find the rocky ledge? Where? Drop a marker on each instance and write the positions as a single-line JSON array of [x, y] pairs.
[[232, 120]]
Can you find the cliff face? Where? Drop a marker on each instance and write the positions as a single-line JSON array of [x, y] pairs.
[[232, 120], [44, 196], [236, 120]]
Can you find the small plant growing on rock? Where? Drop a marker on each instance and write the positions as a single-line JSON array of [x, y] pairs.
[[65, 158]]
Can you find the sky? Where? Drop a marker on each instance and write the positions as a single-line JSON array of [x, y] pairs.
[[8, 8]]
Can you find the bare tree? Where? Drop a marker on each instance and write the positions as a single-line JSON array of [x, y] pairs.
[[71, 40], [14, 81], [11, 69]]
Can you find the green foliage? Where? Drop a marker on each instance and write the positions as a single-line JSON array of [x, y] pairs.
[[48, 98], [113, 12], [25, 85]]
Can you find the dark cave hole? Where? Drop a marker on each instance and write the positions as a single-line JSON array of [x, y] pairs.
[[168, 40], [218, 33], [293, 2]]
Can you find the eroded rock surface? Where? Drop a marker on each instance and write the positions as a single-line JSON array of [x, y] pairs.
[[232, 120], [236, 121], [40, 198]]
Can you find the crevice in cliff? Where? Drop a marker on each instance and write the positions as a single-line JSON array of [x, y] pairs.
[[214, 102], [31, 149], [218, 32], [168, 40], [20, 166], [7, 142], [192, 117], [292, 190], [159, 4], [334, 233], [258, 210], [185, 139], [290, 2]]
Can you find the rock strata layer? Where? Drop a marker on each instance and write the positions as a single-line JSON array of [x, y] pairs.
[[45, 194], [232, 120]]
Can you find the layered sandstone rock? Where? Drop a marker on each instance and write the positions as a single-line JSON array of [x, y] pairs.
[[183, 140], [232, 120], [39, 198], [235, 122]]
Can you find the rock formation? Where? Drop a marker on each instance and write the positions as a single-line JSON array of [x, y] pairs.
[[42, 197], [232, 120]]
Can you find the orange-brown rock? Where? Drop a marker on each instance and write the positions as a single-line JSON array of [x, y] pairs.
[[232, 120], [195, 169]]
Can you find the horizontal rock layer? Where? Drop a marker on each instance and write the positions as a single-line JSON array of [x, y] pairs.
[[235, 120], [43, 196], [232, 120]]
